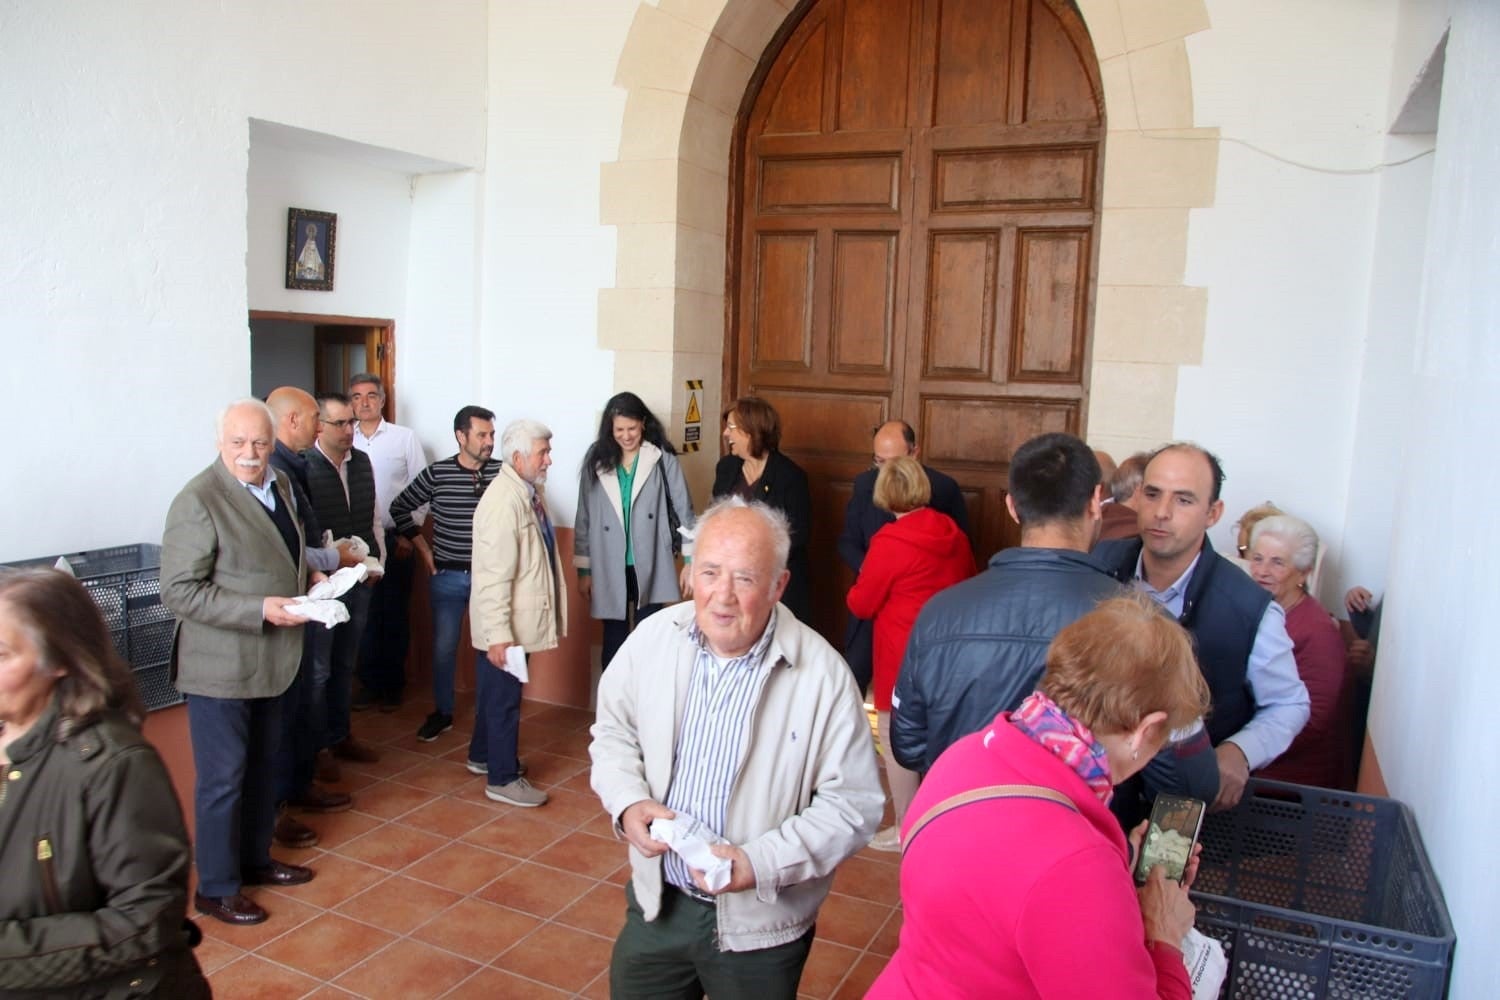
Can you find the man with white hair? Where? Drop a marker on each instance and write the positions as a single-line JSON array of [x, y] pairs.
[[517, 600], [732, 713], [232, 559]]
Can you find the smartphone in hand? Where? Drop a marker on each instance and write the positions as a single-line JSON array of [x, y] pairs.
[[1170, 836]]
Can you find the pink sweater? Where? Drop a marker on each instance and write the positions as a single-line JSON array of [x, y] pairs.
[[1021, 898]]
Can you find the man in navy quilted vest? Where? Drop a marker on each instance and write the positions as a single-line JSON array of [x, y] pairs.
[[1259, 702]]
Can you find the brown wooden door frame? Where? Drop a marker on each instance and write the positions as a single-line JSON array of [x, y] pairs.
[[379, 333]]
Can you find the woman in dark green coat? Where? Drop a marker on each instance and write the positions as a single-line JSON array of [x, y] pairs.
[[93, 901]]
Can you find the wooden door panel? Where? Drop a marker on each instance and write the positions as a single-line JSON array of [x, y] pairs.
[[972, 62], [917, 199], [874, 64], [1051, 306], [781, 330], [830, 184], [836, 424], [795, 85], [1059, 85], [864, 303], [1038, 177], [962, 275]]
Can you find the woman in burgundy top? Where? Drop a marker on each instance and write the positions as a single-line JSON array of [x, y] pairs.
[[1283, 549], [922, 552]]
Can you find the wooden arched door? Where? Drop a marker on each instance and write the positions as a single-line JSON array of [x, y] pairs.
[[914, 238]]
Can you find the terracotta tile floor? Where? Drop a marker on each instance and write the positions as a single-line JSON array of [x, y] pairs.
[[428, 889]]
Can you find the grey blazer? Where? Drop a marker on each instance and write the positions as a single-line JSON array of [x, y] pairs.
[[221, 556], [599, 532]]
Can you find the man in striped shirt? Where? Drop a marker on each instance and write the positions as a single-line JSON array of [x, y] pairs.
[[451, 490], [732, 712]]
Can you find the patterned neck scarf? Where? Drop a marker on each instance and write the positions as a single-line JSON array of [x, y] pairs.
[[1068, 739]]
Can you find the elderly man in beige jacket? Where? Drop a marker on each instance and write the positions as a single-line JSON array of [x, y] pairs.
[[732, 712], [517, 599]]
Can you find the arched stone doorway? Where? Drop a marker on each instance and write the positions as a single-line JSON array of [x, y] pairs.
[[685, 68]]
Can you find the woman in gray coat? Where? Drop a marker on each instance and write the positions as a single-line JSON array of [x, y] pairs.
[[631, 498]]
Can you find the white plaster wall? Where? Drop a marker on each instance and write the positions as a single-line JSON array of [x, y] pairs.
[[122, 268], [1286, 250], [437, 347], [1383, 414], [554, 117], [374, 226], [1436, 687]]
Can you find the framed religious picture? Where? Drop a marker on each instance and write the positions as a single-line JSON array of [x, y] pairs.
[[310, 243]]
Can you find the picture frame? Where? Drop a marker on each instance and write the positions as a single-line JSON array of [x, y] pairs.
[[311, 241]]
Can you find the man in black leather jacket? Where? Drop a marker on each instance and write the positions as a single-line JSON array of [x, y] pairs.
[[978, 648]]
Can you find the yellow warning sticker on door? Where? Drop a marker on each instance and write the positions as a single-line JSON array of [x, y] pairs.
[[694, 415]]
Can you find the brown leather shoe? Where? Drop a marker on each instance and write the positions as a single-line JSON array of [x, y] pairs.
[[277, 873], [236, 909], [321, 800], [327, 770], [292, 832], [350, 748]]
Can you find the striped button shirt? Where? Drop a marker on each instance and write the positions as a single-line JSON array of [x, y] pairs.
[[711, 742], [451, 493]]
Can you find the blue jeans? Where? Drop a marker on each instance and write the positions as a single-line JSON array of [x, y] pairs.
[[449, 593], [497, 722], [334, 655], [234, 750]]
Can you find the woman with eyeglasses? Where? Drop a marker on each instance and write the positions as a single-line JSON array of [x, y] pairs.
[[625, 542], [755, 470]]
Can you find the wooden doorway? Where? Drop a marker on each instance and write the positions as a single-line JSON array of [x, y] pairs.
[[335, 347], [915, 225]]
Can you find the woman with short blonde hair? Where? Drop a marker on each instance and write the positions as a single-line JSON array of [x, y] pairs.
[[920, 553]]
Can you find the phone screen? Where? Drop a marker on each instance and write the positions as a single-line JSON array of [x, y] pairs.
[[1170, 837]]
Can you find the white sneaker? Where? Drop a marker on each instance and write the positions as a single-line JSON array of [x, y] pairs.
[[518, 793], [888, 839]]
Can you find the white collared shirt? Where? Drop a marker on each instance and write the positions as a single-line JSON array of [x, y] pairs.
[[397, 457]]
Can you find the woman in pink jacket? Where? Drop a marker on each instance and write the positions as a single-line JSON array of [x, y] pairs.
[[1029, 893], [922, 552]]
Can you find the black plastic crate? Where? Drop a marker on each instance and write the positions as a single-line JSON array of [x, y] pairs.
[[125, 584], [1318, 893]]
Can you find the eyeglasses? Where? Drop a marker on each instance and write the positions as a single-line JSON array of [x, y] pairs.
[[731, 426], [340, 424]]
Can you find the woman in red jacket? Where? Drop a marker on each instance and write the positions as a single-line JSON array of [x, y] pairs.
[[920, 553]]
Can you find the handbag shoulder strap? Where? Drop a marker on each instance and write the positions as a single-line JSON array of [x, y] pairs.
[[981, 794]]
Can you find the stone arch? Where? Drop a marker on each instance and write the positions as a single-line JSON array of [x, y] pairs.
[[685, 67]]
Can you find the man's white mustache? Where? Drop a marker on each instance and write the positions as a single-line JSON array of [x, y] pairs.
[[248, 463]]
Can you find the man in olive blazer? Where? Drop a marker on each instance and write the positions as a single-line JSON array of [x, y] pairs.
[[232, 560]]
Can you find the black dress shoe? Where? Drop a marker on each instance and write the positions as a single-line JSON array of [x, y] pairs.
[[321, 800], [292, 832], [276, 873], [236, 909]]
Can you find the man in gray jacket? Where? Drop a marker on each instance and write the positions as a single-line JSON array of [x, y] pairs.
[[733, 713], [232, 559]]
